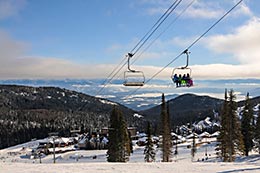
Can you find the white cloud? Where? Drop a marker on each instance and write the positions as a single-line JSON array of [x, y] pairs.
[[182, 42], [225, 71], [10, 48], [243, 44], [210, 71], [199, 9], [242, 9], [14, 64], [204, 10], [215, 9], [10, 8]]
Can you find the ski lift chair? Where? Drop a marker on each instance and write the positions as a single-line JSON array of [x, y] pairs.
[[182, 75], [133, 77]]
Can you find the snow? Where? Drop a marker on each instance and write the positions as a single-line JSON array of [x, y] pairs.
[[63, 94], [24, 94], [94, 161], [204, 134], [127, 168], [256, 108], [74, 96], [107, 102], [138, 115]]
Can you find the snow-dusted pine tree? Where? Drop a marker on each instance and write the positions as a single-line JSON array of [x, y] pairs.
[[166, 132], [223, 137], [118, 146], [230, 138], [257, 130], [247, 125], [235, 139], [149, 153]]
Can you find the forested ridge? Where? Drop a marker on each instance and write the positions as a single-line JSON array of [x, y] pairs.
[[33, 112]]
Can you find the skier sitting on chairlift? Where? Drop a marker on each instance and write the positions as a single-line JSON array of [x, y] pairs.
[[176, 80], [188, 80], [182, 81]]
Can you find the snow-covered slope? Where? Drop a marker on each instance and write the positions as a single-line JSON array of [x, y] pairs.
[[82, 161]]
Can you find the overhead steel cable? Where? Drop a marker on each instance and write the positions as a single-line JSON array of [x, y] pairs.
[[168, 14], [215, 24], [147, 36], [190, 46], [154, 25], [111, 75], [173, 21]]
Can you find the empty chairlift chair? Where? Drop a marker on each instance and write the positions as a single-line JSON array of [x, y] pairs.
[[133, 77]]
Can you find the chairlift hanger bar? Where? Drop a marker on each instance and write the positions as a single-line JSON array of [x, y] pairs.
[[129, 56], [187, 62]]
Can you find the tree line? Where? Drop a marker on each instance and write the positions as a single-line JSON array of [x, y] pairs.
[[119, 146], [239, 133], [20, 126]]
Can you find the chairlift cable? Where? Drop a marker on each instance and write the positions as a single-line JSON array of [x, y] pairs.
[[174, 20], [109, 78], [157, 27], [151, 31], [156, 23], [214, 24], [191, 45]]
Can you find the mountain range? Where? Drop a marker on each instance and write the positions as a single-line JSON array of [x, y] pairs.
[[150, 94], [28, 112]]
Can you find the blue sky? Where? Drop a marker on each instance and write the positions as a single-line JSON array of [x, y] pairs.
[[87, 39]]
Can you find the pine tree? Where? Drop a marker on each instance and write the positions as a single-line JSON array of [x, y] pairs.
[[222, 138], [257, 130], [247, 125], [230, 138], [166, 132], [149, 150], [118, 146]]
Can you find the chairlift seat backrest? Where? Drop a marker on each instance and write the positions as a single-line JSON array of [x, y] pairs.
[[134, 78]]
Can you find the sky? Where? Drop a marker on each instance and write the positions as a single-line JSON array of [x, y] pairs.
[[60, 39]]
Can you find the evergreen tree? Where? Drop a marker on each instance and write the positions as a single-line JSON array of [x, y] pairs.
[[231, 138], [223, 137], [149, 150], [166, 132], [118, 146], [257, 130], [247, 125]]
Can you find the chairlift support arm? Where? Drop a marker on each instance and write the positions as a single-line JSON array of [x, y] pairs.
[[129, 55], [187, 62]]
